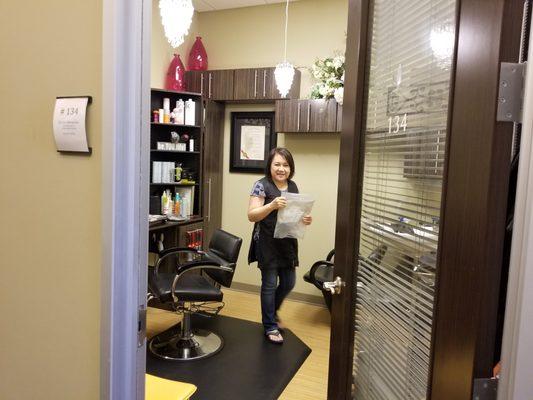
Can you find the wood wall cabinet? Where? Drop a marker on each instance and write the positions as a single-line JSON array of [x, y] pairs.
[[213, 85], [246, 84], [301, 116], [260, 84]]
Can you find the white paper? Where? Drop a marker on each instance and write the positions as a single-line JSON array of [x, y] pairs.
[[69, 124], [252, 142]]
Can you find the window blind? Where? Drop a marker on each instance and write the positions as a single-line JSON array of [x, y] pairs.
[[406, 112]]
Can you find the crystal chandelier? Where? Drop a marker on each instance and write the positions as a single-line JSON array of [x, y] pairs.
[[176, 16], [284, 72]]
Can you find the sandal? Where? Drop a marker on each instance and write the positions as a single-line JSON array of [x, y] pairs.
[[274, 337]]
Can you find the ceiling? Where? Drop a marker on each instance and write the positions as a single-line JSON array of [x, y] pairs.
[[213, 5]]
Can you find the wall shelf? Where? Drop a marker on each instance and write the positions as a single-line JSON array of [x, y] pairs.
[[174, 184], [174, 125], [174, 151]]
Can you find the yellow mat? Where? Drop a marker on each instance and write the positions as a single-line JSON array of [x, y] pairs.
[[163, 389]]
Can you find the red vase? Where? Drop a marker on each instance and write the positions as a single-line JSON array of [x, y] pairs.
[[197, 56], [175, 75]]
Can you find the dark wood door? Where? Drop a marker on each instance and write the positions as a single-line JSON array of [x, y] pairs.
[[420, 325], [305, 116], [213, 155], [321, 115], [254, 84], [289, 116], [246, 84], [219, 84], [266, 83], [195, 82]]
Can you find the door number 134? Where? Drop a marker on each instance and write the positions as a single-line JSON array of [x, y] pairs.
[[397, 122]]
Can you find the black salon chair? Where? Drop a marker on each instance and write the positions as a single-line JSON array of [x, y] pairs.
[[320, 272], [172, 283]]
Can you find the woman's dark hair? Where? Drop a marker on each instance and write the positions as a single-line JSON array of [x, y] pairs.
[[286, 154]]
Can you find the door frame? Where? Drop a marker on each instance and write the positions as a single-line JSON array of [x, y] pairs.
[[125, 166], [348, 200], [517, 353], [125, 170], [474, 200]]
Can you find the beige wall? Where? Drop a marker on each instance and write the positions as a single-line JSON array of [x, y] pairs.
[[253, 36], [50, 203]]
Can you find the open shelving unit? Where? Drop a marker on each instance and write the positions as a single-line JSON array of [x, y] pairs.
[[191, 161], [177, 233]]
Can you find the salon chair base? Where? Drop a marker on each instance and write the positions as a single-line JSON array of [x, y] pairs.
[[199, 344]]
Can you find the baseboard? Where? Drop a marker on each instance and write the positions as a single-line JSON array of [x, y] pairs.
[[303, 297]]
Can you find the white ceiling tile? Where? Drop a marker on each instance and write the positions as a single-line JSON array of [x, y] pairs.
[[202, 5]]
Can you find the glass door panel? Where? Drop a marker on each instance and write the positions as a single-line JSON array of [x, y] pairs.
[[405, 130]]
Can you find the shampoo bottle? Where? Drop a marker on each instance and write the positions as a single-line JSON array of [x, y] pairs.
[[190, 112], [179, 112]]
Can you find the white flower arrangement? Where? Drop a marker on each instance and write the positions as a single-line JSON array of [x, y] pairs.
[[329, 72]]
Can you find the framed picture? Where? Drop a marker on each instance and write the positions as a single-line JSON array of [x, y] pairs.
[[252, 138]]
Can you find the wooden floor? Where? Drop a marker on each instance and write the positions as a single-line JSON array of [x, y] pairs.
[[310, 323]]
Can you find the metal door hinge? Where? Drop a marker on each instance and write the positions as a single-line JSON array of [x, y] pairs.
[[141, 326], [511, 92], [334, 287]]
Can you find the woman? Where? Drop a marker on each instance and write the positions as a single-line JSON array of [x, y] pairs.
[[277, 258]]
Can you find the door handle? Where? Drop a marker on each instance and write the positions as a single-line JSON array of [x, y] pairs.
[[255, 83], [298, 118], [264, 82], [210, 78], [334, 287], [208, 200], [202, 83], [308, 115]]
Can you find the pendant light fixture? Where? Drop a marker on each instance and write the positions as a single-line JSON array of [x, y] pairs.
[[284, 72], [176, 16]]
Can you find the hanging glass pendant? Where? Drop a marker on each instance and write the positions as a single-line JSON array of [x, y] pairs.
[[284, 74], [176, 16]]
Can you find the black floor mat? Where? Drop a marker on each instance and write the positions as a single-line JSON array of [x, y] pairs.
[[247, 368]]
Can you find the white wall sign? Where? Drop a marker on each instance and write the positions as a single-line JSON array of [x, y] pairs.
[[69, 124]]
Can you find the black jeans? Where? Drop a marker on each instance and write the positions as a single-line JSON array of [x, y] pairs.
[[272, 294]]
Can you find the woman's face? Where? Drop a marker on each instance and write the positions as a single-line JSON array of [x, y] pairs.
[[280, 169]]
